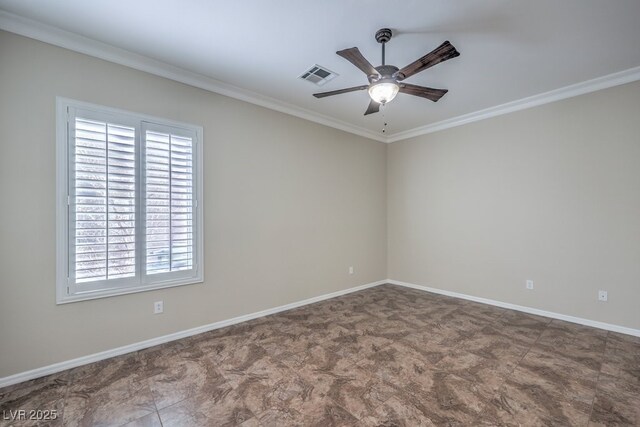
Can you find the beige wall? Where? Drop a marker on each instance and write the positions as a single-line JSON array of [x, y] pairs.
[[550, 194], [289, 206]]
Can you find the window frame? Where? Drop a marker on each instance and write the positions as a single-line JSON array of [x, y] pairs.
[[65, 290]]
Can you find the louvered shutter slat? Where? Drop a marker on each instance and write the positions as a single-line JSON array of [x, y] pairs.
[[104, 203], [169, 202]]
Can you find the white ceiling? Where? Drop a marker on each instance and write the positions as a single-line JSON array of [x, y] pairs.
[[509, 49]]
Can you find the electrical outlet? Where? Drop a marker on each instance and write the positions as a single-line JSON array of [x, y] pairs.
[[602, 296], [351, 270], [158, 307], [530, 284]]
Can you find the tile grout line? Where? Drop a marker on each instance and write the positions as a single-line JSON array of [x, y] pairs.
[[155, 404], [523, 356], [595, 394], [529, 349], [354, 363], [471, 324], [146, 379], [597, 378], [504, 312]]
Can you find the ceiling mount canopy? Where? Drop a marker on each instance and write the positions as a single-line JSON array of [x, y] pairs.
[[385, 81]]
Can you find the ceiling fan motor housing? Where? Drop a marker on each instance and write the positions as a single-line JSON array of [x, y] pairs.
[[383, 35], [386, 70]]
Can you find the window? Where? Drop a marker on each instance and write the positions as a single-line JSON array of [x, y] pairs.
[[129, 202]]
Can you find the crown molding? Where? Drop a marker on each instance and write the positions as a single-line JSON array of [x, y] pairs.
[[604, 82], [55, 36]]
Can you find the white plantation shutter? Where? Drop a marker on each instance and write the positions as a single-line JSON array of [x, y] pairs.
[[128, 209], [102, 203], [169, 200]]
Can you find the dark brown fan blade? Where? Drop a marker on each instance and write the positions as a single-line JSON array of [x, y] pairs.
[[354, 56], [339, 91], [424, 92], [373, 107], [440, 54]]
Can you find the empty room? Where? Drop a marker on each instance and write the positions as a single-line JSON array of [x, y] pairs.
[[346, 213]]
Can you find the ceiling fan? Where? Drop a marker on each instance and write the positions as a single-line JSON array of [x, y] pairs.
[[385, 81]]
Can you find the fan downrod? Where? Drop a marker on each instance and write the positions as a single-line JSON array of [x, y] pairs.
[[383, 35]]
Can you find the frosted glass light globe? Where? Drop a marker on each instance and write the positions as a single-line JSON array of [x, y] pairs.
[[383, 91]]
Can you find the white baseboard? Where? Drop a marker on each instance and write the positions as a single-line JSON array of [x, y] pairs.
[[61, 366], [530, 310]]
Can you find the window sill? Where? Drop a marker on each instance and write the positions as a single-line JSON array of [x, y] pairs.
[[105, 293]]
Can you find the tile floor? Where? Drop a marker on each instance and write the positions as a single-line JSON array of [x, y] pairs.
[[384, 356]]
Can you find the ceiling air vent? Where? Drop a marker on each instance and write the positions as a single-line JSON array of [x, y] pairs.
[[318, 75]]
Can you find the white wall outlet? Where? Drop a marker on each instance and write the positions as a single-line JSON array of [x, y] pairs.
[[529, 284], [351, 270], [158, 307], [602, 296]]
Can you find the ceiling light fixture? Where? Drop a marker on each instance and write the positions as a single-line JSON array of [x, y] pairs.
[[385, 81], [384, 90]]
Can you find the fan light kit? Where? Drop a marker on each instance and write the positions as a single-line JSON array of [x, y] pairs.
[[383, 90], [385, 81]]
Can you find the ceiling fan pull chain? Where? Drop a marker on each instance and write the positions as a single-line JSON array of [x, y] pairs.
[[384, 120]]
